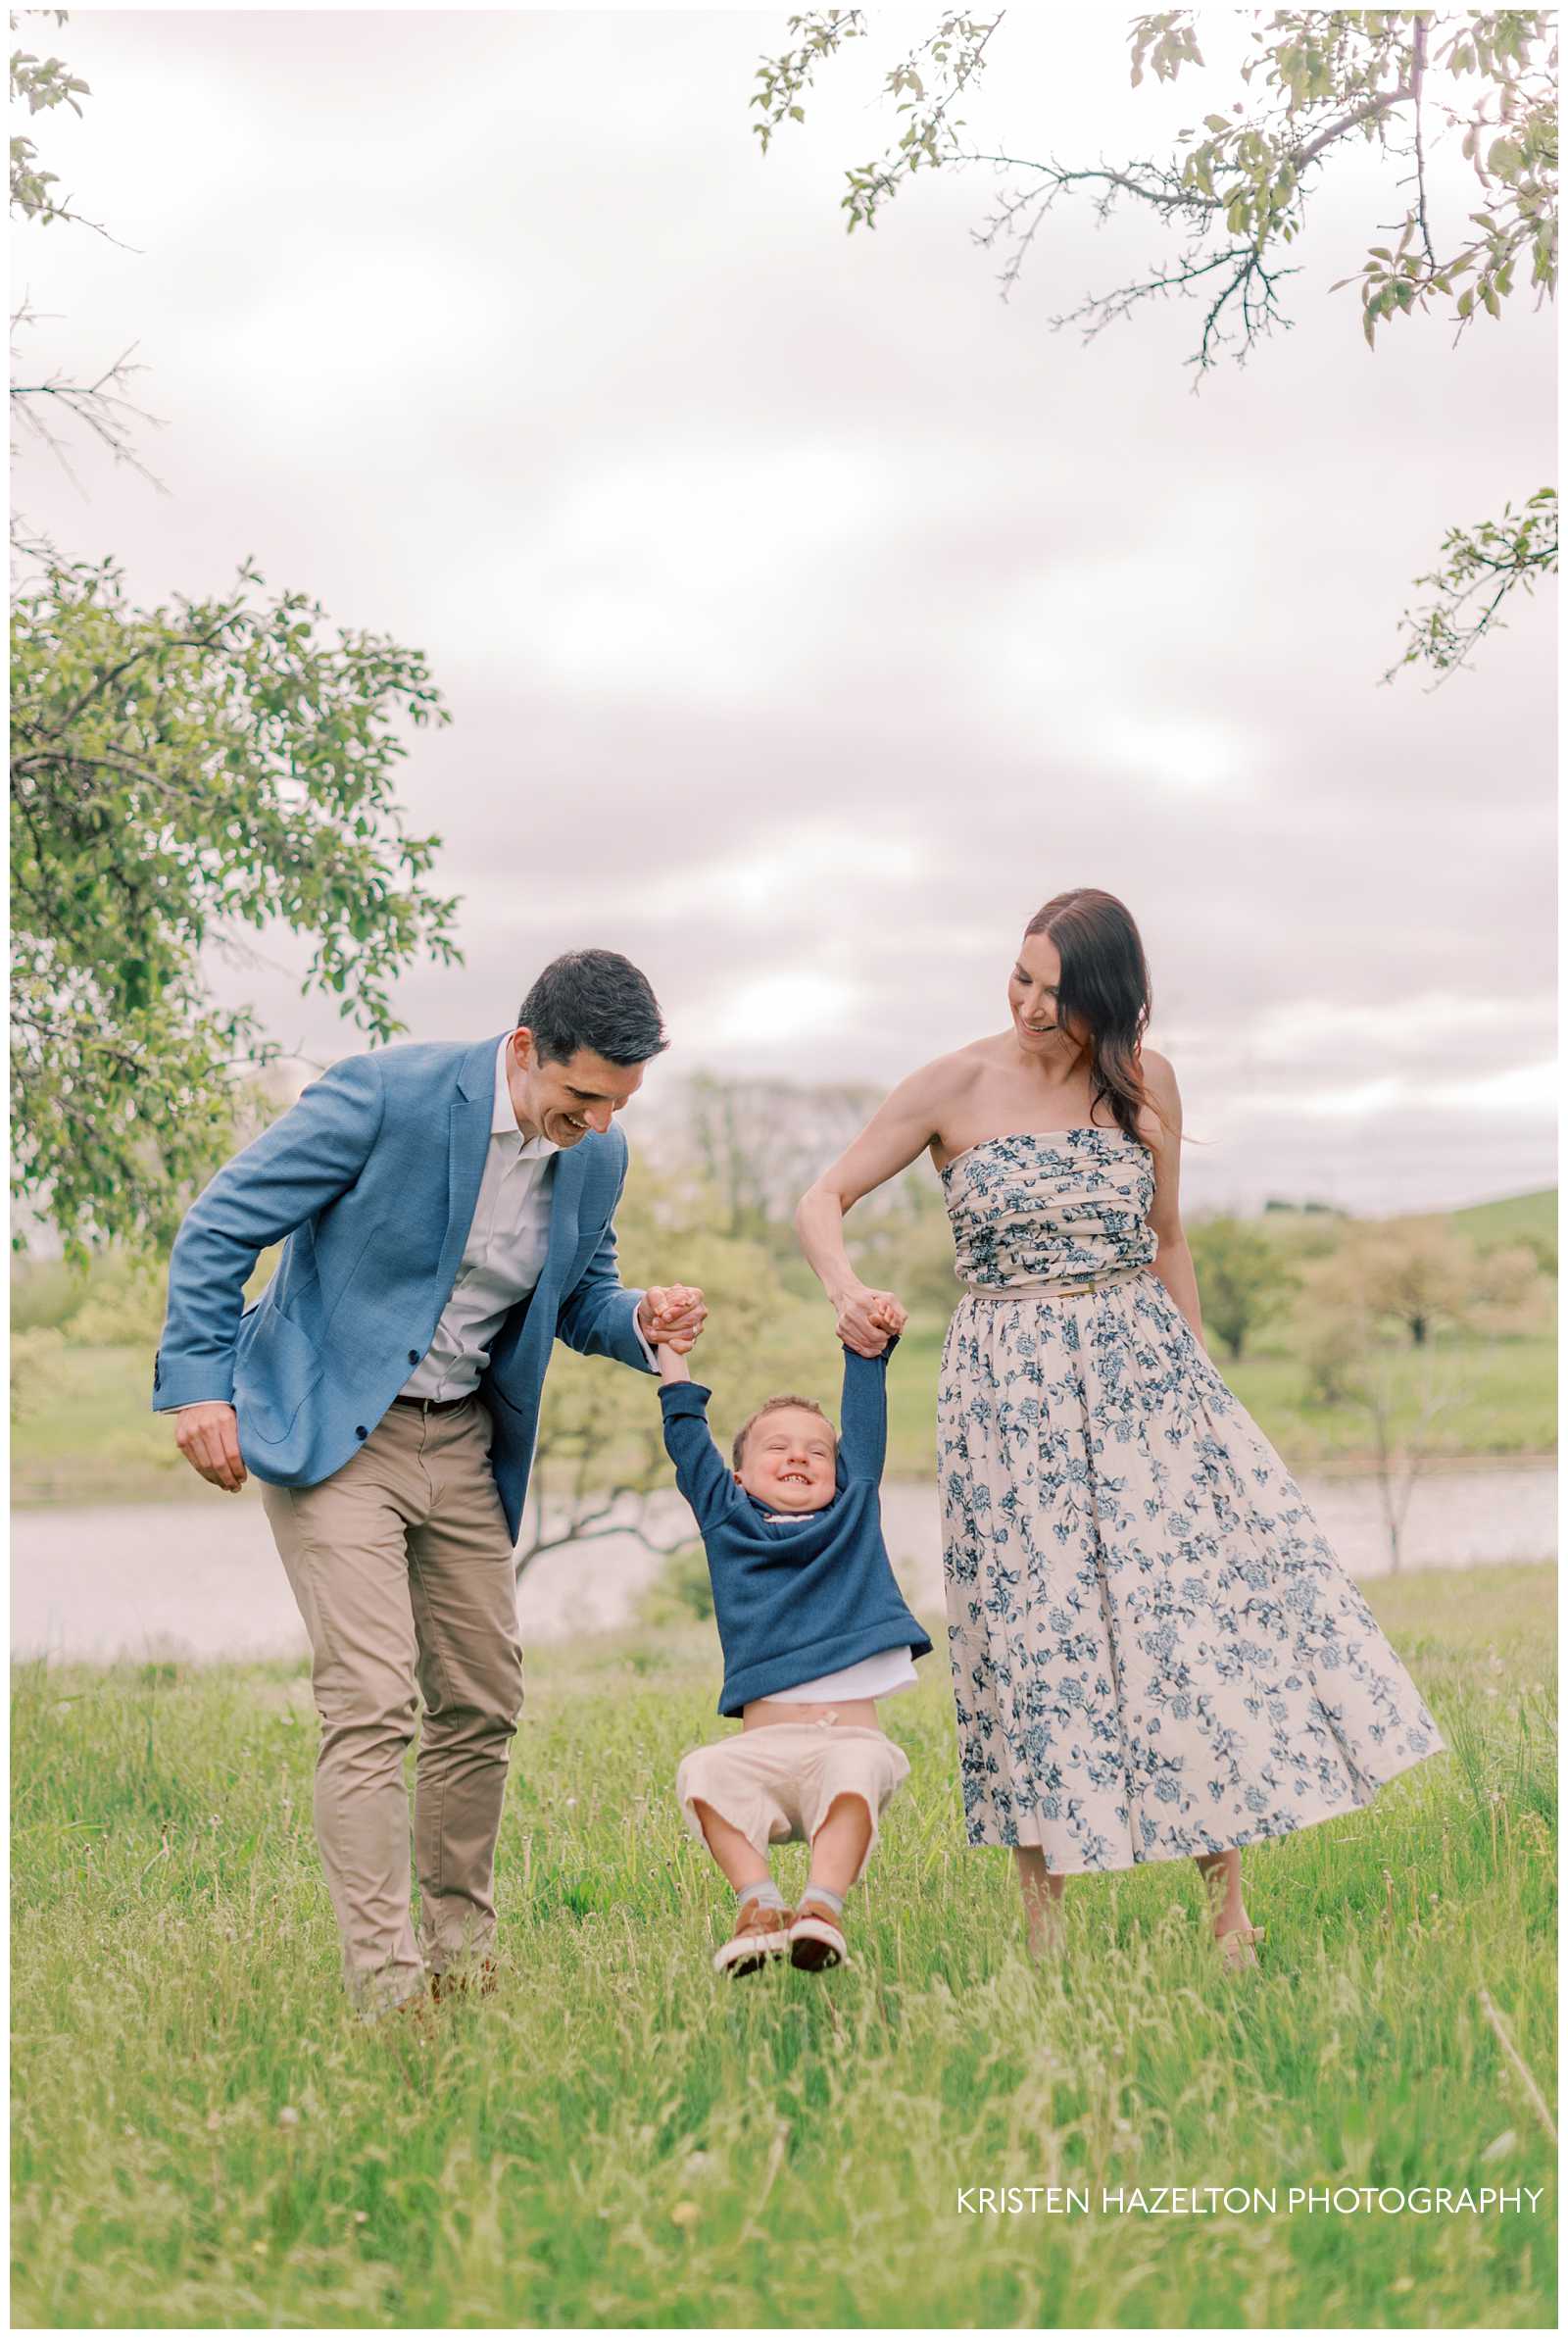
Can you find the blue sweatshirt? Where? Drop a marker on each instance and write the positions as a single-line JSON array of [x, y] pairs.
[[795, 1597]]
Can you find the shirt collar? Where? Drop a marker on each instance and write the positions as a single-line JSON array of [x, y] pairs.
[[503, 1118]]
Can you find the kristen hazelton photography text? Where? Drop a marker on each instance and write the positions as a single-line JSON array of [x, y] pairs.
[[1209, 2201], [783, 1313]]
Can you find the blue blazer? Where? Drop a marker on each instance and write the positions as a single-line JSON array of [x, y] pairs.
[[373, 1176]]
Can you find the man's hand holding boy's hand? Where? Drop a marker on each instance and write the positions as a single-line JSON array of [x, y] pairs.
[[672, 1315]]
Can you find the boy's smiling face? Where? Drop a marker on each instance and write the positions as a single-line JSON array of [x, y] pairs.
[[789, 1461]]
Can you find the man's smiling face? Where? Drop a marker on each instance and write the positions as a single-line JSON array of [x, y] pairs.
[[788, 1463], [564, 1101]]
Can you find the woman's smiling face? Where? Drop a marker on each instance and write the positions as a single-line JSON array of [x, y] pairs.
[[1032, 993]]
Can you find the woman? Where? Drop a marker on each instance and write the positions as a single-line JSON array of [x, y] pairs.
[[1155, 1652]]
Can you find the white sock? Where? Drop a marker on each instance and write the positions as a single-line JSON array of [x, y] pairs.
[[820, 1892], [767, 1895]]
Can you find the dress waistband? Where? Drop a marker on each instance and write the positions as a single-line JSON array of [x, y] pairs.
[[1063, 1287]]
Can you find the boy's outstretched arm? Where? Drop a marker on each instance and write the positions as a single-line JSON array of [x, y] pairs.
[[699, 1471], [864, 1411]]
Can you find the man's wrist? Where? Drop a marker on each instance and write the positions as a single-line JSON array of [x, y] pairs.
[[639, 1330]]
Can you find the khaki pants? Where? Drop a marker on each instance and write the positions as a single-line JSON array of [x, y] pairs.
[[402, 1566]]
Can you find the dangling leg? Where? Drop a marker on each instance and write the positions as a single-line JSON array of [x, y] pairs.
[[762, 1921], [839, 1845], [743, 1865]]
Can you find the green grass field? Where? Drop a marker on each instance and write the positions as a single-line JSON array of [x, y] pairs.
[[201, 2136]]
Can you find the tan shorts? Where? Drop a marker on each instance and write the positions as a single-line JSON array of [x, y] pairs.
[[777, 1784]]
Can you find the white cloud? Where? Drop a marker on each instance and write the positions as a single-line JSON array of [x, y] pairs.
[[780, 1018]]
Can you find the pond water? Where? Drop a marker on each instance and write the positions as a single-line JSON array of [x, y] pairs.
[[200, 1578]]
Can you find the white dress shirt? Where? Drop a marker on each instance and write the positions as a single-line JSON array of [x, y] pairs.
[[503, 1256]]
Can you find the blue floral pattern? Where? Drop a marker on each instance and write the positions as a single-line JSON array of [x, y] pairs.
[[1155, 1652]]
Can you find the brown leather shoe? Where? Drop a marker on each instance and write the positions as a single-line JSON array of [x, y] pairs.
[[411, 2017], [817, 1937], [477, 1980], [760, 1934]]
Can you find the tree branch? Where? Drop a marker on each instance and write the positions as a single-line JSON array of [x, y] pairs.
[[597, 1526], [107, 414], [1368, 111], [1418, 69]]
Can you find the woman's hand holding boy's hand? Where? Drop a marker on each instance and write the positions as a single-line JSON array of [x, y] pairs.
[[869, 1319]]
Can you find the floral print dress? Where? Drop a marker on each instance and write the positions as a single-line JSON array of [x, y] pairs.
[[1155, 1652]]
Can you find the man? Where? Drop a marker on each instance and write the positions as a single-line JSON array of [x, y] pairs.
[[448, 1213]]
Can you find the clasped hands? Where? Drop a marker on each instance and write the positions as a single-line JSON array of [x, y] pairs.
[[672, 1315], [869, 1319]]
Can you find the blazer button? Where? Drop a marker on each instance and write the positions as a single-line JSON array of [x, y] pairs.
[[413, 1356], [362, 1433]]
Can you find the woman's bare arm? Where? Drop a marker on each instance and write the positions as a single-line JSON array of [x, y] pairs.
[[897, 1132], [1173, 1264]]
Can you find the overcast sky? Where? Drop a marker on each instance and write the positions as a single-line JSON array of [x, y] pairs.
[[807, 613]]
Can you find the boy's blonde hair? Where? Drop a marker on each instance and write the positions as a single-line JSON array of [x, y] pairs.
[[778, 1404]]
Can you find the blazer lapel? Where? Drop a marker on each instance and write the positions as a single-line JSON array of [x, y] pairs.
[[467, 1144], [571, 1169]]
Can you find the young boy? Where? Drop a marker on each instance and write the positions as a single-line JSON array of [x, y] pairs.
[[814, 1629]]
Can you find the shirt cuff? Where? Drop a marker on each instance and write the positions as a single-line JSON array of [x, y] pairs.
[[642, 1338]]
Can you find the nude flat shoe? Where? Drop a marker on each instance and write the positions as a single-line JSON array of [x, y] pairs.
[[1238, 1952]]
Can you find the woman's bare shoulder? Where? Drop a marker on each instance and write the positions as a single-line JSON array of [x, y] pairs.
[[946, 1080], [1164, 1113]]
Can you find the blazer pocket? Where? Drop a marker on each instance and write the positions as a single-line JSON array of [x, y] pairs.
[[278, 1371]]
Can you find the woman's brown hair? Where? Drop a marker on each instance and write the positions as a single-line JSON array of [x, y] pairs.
[[1102, 991]]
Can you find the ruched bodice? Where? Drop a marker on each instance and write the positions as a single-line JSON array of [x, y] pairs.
[[1054, 1206]]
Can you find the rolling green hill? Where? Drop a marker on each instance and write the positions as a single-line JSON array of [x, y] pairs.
[[1519, 1217]]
